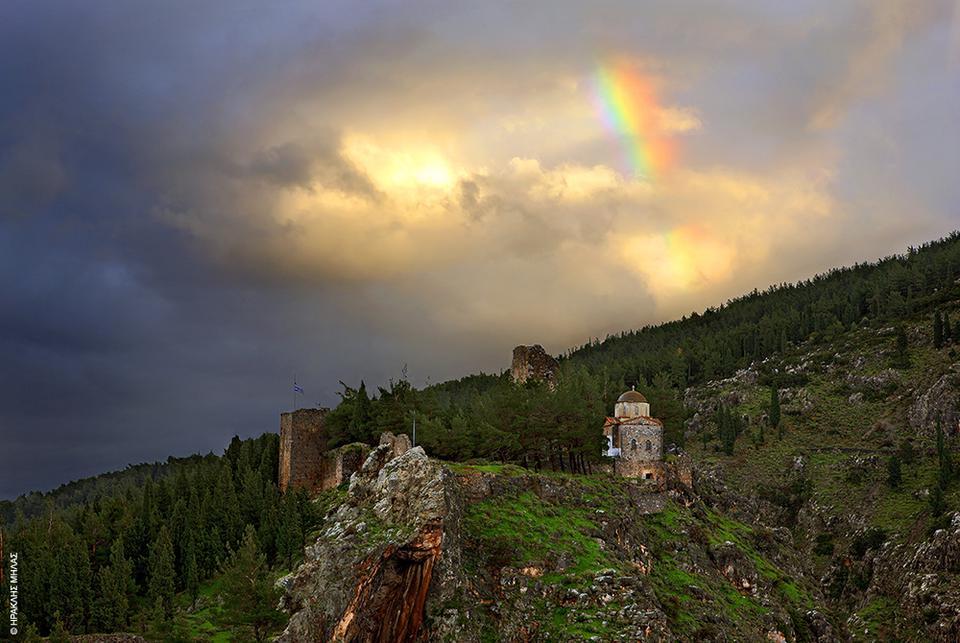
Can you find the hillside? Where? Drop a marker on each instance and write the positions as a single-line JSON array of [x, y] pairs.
[[837, 523]]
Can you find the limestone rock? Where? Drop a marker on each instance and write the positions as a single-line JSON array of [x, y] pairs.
[[923, 580], [399, 444], [394, 541], [941, 401]]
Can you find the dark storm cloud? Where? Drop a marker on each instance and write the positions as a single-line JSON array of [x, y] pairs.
[[172, 251]]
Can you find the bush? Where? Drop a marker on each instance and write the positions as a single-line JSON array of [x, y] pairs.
[[869, 539], [823, 545]]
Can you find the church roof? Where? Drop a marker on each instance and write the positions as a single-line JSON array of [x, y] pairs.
[[640, 419], [632, 396]]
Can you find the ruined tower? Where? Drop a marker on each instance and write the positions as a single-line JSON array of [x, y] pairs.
[[533, 363], [303, 441], [305, 462]]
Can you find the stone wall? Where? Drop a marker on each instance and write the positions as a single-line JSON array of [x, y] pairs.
[[533, 363], [337, 465], [303, 441], [399, 444], [636, 459], [305, 462]]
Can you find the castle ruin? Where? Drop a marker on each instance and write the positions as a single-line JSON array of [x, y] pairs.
[[305, 461], [533, 363]]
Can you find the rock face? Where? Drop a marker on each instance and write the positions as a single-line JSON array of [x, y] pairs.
[[940, 402], [422, 551], [393, 543], [533, 363], [924, 580], [399, 444]]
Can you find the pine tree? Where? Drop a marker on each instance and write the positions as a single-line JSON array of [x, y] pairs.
[[290, 531], [360, 422], [947, 330], [894, 476], [774, 414], [225, 506], [59, 632], [190, 572], [937, 330], [162, 574], [111, 605], [250, 597]]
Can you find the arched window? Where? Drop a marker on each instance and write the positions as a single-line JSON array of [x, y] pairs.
[[649, 446], [633, 445]]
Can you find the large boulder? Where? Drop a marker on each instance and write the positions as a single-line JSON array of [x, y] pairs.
[[382, 555]]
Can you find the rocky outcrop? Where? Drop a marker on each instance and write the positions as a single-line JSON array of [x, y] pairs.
[[874, 386], [939, 402], [924, 580], [393, 543]]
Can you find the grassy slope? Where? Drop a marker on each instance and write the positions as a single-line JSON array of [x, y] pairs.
[[828, 434], [524, 530]]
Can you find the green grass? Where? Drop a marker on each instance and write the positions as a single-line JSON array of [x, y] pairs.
[[203, 622], [525, 530], [878, 616], [565, 623]]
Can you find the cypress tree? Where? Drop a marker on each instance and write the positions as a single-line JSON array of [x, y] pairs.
[[937, 330], [894, 476], [902, 357], [937, 503]]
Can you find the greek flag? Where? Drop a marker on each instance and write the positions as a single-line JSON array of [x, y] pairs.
[[297, 389]]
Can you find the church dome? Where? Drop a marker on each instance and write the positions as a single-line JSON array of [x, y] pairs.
[[632, 396]]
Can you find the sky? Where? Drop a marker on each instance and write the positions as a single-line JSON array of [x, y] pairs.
[[200, 201]]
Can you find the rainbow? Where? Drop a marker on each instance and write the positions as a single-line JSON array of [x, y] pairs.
[[628, 106]]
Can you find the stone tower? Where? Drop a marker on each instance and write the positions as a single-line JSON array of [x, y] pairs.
[[303, 441], [533, 363]]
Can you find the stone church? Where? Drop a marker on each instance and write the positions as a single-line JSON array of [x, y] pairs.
[[634, 438]]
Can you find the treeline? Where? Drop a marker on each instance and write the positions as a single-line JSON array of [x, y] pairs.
[[117, 562], [491, 418], [89, 489], [485, 416], [721, 340]]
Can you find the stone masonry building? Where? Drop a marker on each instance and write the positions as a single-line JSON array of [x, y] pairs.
[[634, 438], [305, 461], [533, 363]]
